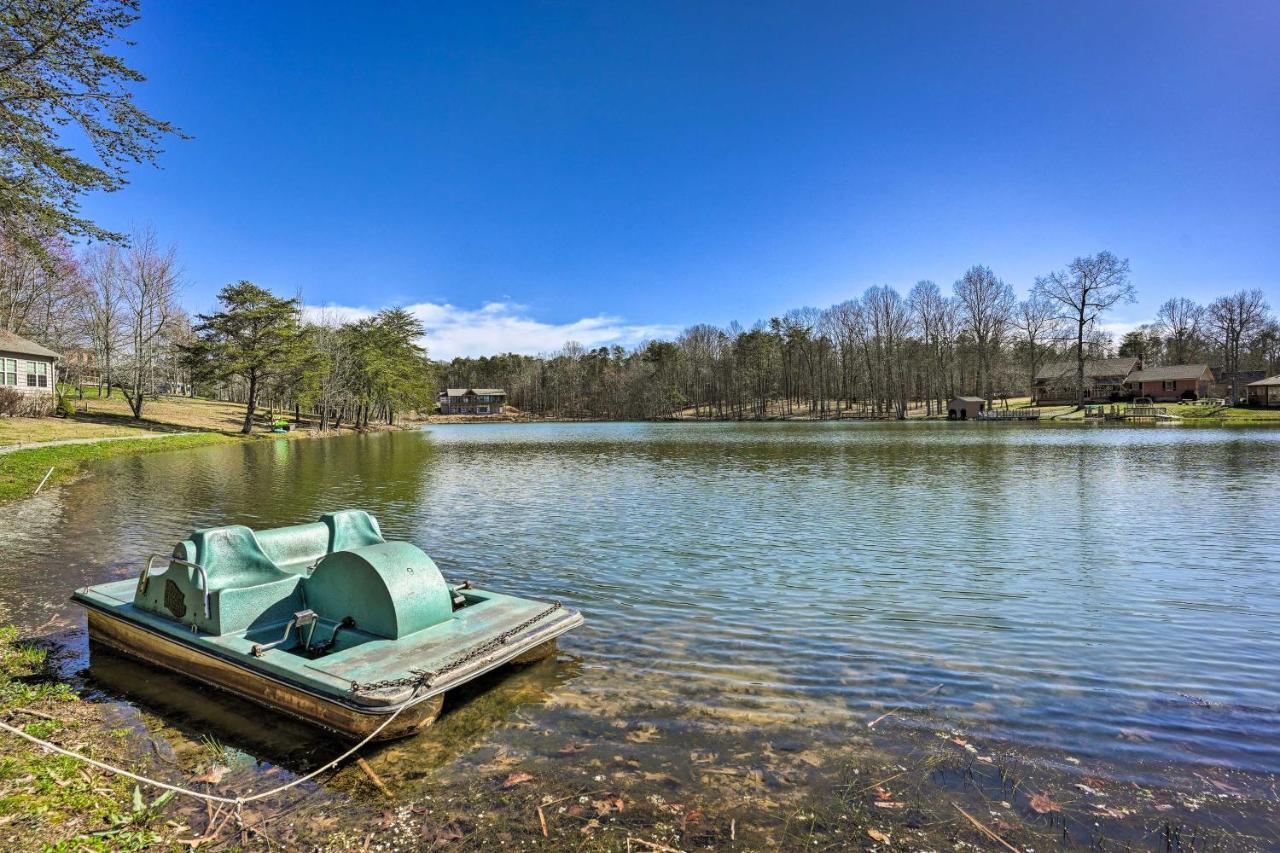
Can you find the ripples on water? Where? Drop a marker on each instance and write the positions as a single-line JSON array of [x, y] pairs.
[[1106, 591]]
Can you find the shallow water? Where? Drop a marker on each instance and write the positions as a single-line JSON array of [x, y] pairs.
[[1109, 593]]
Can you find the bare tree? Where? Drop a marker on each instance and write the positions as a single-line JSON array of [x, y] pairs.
[[102, 311], [1083, 292], [149, 295], [38, 288], [986, 305], [1037, 319], [890, 323], [1233, 321], [1179, 320], [930, 308]]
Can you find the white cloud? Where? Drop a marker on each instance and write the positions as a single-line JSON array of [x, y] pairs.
[[499, 327], [1117, 329]]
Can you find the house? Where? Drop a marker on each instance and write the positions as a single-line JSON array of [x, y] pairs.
[[1223, 380], [1171, 382], [25, 366], [965, 408], [1264, 392], [80, 366], [471, 401], [1103, 380]]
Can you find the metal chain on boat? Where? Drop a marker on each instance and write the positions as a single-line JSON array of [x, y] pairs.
[[426, 678]]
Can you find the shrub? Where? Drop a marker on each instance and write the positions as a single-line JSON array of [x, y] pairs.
[[66, 406], [10, 401], [36, 405]]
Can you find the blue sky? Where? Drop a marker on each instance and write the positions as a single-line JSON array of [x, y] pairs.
[[609, 171]]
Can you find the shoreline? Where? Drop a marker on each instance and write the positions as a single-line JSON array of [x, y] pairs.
[[1260, 418], [909, 776], [30, 467]]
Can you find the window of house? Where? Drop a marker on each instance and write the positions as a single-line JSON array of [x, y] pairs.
[[42, 375], [31, 374], [10, 371], [1170, 385]]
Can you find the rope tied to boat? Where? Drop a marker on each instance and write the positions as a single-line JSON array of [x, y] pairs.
[[420, 680], [236, 802], [427, 678]]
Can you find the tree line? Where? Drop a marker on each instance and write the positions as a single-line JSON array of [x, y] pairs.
[[885, 353], [114, 312]]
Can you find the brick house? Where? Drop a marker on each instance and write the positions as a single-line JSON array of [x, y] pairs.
[[1172, 382]]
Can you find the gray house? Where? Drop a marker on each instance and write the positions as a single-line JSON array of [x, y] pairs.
[[471, 401], [1104, 380], [26, 366]]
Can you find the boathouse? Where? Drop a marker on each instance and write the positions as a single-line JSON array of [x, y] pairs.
[[1172, 382], [471, 401], [965, 408], [26, 366], [1264, 392]]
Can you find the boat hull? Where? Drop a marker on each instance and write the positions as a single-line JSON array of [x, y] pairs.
[[157, 649]]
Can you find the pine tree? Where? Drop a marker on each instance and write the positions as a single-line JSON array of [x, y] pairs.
[[257, 336]]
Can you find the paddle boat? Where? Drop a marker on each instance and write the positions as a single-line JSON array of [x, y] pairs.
[[328, 622]]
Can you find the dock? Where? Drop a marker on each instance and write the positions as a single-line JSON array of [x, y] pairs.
[[1009, 415]]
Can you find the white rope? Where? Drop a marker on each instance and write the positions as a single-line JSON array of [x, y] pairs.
[[212, 798]]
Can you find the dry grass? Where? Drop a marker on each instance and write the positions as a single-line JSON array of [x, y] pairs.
[[164, 413], [26, 430]]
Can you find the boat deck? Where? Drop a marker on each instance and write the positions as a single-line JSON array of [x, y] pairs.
[[360, 658]]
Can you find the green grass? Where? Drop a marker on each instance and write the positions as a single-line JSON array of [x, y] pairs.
[[52, 801], [22, 470], [1226, 414], [28, 430]]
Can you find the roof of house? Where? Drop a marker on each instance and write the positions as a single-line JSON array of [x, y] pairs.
[[972, 399], [1262, 383], [461, 392], [1168, 373], [1092, 368], [1220, 374], [9, 342]]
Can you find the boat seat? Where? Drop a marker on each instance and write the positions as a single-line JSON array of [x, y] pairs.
[[351, 528], [299, 547], [245, 586], [231, 556], [254, 579]]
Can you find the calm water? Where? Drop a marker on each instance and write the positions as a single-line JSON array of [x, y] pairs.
[[1107, 592]]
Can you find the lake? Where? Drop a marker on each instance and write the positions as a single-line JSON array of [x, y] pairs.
[[1098, 601]]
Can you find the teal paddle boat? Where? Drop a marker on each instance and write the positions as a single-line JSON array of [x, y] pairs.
[[328, 622]]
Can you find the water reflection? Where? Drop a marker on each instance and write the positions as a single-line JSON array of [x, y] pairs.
[[178, 709], [1089, 589]]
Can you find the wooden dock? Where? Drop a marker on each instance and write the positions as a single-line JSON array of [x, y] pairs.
[[1009, 415]]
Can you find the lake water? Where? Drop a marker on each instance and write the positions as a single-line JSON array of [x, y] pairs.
[[1098, 595]]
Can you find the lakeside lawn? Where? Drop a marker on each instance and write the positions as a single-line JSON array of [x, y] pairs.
[[164, 413], [28, 430], [168, 423]]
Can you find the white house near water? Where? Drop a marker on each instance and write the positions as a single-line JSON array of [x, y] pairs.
[[26, 366]]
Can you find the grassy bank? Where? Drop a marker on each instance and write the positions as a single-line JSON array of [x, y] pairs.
[[22, 471], [168, 423], [1225, 415], [52, 802]]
